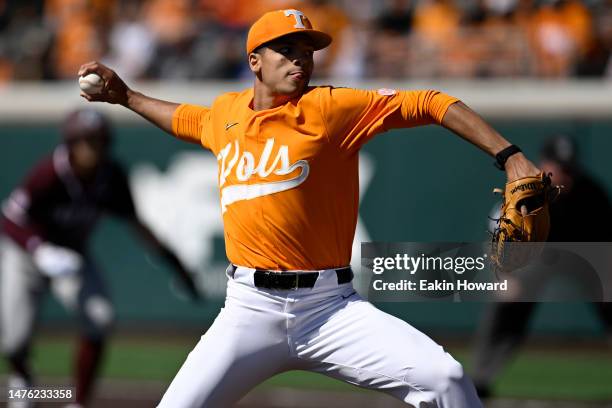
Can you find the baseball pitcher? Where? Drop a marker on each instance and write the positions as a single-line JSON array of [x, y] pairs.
[[288, 177]]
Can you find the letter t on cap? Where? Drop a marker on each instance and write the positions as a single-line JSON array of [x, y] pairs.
[[298, 15]]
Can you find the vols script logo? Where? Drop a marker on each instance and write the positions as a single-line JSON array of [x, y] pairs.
[[244, 166], [181, 205]]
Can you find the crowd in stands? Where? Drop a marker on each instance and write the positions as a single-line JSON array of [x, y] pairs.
[[201, 39]]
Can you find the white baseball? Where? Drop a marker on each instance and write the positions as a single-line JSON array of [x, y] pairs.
[[91, 84]]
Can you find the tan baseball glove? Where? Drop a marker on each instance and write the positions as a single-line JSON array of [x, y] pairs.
[[524, 218]]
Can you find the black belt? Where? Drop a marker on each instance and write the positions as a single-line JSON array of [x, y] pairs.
[[295, 280]]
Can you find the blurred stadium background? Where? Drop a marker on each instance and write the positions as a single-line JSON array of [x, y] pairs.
[[533, 68]]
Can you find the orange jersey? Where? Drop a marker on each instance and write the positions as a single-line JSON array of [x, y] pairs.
[[288, 176]]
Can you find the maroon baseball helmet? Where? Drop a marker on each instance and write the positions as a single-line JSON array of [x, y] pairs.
[[88, 124]]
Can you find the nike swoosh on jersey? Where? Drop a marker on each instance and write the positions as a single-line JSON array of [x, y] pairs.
[[229, 125], [239, 192], [349, 295]]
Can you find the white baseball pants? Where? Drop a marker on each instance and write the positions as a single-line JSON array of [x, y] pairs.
[[328, 329], [22, 288]]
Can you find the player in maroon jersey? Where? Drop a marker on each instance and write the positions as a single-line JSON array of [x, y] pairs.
[[47, 222]]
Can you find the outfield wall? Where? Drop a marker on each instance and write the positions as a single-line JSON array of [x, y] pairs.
[[417, 185], [520, 98]]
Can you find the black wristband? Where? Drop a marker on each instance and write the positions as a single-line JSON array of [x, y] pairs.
[[501, 157]]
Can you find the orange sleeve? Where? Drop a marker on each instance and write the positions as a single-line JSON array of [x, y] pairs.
[[352, 117], [189, 122], [423, 107]]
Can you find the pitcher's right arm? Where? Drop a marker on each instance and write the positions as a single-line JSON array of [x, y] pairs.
[[115, 91]]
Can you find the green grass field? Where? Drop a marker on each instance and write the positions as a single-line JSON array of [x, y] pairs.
[[569, 374]]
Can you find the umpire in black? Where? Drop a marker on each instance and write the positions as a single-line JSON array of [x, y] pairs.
[[504, 325]]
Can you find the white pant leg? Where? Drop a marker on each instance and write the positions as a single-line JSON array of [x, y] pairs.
[[21, 289], [246, 344], [85, 295], [359, 344]]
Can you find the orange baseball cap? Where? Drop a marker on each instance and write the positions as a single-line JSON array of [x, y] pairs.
[[276, 24]]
